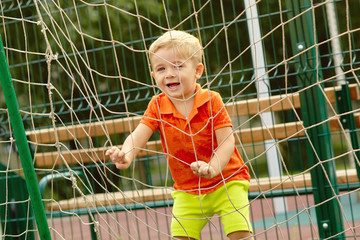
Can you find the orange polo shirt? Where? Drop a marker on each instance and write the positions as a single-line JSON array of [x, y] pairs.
[[187, 140]]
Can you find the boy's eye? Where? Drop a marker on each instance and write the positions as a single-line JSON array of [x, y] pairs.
[[160, 69], [178, 66]]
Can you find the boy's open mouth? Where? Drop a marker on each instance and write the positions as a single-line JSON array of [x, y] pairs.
[[172, 85]]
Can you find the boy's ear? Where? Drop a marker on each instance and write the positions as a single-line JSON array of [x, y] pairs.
[[199, 70]]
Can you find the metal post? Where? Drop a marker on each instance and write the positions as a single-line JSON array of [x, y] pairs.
[[23, 147], [314, 111], [343, 103], [263, 88]]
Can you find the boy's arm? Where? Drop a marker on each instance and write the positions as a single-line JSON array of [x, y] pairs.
[[123, 157], [226, 144]]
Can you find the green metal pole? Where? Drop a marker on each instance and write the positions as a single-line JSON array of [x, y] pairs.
[[343, 103], [23, 147], [313, 111]]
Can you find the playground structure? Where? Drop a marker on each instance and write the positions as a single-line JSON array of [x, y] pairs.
[[295, 110]]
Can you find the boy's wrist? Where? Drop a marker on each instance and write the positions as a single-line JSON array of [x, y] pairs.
[[129, 156], [214, 169]]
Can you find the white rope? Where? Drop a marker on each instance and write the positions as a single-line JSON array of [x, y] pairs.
[[73, 60]]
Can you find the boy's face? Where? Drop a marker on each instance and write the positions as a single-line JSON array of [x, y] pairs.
[[175, 75]]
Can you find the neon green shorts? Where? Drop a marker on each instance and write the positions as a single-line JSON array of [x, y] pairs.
[[191, 212]]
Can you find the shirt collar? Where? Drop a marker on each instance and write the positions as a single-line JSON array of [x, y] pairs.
[[202, 96]]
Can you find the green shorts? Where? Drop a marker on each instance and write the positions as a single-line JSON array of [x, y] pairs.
[[191, 212]]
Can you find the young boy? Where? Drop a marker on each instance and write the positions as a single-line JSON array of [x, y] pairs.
[[196, 134]]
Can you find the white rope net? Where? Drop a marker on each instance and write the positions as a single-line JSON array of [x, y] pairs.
[[83, 80]]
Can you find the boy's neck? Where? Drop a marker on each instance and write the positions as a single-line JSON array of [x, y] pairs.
[[184, 107]]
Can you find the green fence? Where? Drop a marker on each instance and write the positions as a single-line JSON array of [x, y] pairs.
[[288, 72]]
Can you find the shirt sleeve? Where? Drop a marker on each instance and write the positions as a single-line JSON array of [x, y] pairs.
[[151, 116], [219, 113]]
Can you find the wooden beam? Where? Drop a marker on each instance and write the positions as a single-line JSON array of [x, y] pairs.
[[82, 156], [246, 136], [122, 125], [161, 194], [80, 131]]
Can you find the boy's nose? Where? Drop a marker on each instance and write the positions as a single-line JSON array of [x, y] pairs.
[[170, 73]]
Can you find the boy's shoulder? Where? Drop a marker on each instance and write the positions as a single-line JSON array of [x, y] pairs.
[[159, 101], [206, 95], [160, 98]]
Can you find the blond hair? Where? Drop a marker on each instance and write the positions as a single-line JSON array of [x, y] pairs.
[[186, 44]]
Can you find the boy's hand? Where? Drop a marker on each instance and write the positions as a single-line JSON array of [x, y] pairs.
[[118, 157], [203, 169]]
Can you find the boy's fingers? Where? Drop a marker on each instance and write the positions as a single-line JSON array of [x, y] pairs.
[[194, 166], [118, 157], [108, 152], [111, 151], [120, 154], [116, 153], [200, 168], [122, 163], [204, 170]]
